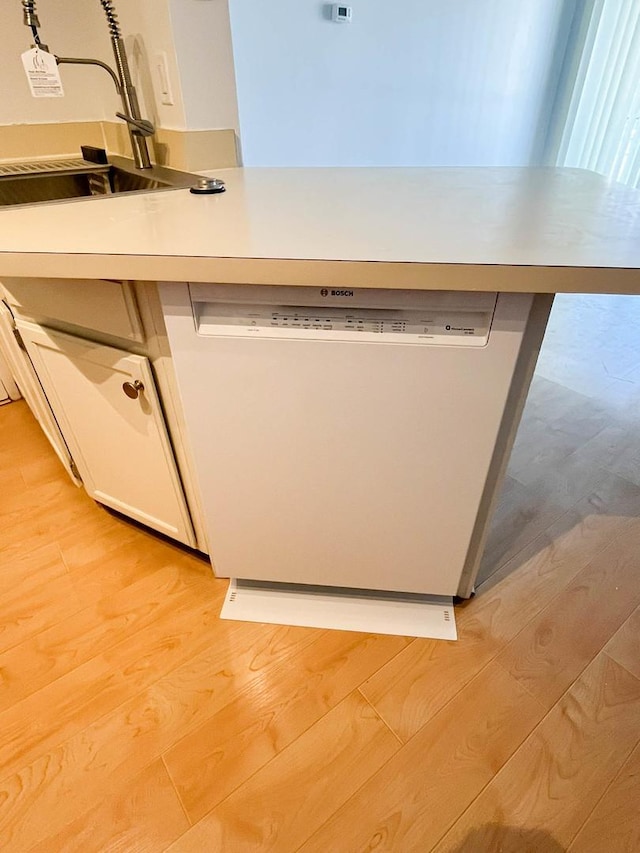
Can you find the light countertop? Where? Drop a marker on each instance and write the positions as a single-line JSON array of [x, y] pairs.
[[541, 230]]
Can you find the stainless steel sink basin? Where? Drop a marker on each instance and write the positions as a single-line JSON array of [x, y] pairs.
[[56, 180]]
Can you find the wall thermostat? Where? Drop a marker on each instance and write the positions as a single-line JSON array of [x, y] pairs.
[[341, 13]]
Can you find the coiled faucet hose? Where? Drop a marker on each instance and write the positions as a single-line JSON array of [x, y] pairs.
[[29, 13], [112, 17]]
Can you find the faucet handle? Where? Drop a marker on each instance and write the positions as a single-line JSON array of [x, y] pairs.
[[140, 126]]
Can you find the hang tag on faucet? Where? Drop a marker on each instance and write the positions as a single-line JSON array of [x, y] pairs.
[[42, 73]]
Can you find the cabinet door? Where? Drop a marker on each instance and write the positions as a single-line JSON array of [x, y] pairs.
[[119, 442], [31, 389], [9, 386]]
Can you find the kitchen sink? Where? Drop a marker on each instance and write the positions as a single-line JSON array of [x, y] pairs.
[[56, 180]]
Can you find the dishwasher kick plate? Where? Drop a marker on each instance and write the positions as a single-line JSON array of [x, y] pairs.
[[368, 611]]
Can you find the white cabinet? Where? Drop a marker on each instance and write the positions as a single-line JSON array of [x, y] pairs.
[[119, 443], [31, 389], [8, 388]]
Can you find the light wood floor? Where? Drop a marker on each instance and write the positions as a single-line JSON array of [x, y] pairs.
[[132, 719]]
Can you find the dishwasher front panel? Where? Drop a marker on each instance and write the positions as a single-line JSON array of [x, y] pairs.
[[351, 463]]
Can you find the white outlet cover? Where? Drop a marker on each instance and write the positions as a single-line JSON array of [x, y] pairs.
[[163, 78]]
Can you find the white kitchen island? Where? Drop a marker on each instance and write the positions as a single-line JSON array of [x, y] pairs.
[[499, 231]]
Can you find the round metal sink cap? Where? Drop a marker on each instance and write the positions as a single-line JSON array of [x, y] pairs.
[[208, 186]]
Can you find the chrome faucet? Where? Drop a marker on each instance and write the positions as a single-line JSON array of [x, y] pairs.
[[138, 127]]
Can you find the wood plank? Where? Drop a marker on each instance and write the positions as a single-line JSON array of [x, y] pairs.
[[34, 499], [554, 648], [417, 795], [20, 566], [616, 450], [11, 480], [590, 341], [540, 571], [424, 677], [285, 801], [36, 592], [624, 646], [622, 397], [27, 441], [421, 679], [614, 824], [145, 817], [56, 651], [66, 706], [570, 481], [550, 433], [522, 514], [547, 470], [137, 558], [118, 725], [38, 515], [40, 470], [530, 509], [555, 779], [99, 534], [232, 744]]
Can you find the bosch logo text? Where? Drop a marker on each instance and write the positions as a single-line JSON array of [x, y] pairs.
[[325, 292]]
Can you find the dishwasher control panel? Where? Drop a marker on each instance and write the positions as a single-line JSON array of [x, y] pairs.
[[366, 315]]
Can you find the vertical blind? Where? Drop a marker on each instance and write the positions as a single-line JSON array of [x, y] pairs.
[[602, 127]]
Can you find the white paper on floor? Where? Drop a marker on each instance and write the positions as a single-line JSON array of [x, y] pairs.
[[370, 611]]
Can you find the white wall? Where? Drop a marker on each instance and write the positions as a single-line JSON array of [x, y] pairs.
[[147, 29], [71, 29], [194, 34], [427, 81], [202, 37], [415, 83]]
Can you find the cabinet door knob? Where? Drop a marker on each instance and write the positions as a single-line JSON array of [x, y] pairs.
[[132, 389]]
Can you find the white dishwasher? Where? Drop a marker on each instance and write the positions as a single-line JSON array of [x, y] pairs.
[[343, 437]]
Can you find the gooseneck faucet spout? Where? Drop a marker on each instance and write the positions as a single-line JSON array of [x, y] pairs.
[[138, 127]]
